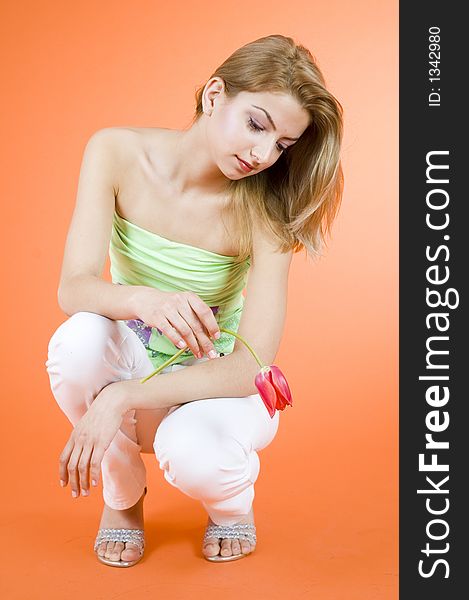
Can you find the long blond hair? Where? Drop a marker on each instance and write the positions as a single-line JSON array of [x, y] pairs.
[[298, 197]]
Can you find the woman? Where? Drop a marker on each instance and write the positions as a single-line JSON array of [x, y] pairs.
[[187, 217]]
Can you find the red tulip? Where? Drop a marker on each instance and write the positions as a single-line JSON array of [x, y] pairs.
[[273, 389], [270, 381]]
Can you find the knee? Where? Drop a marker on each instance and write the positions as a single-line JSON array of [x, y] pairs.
[[78, 346], [203, 466]]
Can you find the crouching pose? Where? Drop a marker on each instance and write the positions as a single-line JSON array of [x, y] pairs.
[[190, 219]]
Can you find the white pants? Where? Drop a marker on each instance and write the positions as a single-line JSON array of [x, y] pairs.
[[206, 448]]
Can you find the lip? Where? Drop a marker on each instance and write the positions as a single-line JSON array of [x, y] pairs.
[[244, 165]]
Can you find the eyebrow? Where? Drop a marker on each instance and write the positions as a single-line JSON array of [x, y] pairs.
[[272, 122]]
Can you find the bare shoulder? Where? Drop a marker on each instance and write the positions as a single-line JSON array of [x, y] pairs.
[[120, 141], [124, 149], [115, 138], [121, 136], [125, 142], [110, 146]]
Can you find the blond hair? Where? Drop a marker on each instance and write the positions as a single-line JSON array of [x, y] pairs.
[[298, 197]]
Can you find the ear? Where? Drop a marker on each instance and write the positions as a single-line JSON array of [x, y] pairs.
[[214, 89]]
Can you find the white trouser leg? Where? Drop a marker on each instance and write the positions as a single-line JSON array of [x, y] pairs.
[[208, 450], [86, 353]]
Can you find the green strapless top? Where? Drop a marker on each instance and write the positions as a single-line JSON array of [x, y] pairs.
[[141, 257]]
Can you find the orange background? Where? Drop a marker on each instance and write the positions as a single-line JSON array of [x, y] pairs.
[[326, 498]]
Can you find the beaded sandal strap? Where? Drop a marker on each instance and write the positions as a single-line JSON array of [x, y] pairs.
[[134, 536], [242, 531]]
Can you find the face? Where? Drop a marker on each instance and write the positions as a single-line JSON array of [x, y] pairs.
[[253, 128]]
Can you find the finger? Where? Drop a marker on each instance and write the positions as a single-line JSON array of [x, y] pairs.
[[201, 334], [206, 343], [205, 315], [83, 470], [184, 328], [95, 464], [167, 329], [73, 470], [64, 459], [191, 329]]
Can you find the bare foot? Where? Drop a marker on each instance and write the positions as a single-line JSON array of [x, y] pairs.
[[228, 547], [129, 518]]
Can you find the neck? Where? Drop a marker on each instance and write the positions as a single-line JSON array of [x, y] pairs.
[[193, 168]]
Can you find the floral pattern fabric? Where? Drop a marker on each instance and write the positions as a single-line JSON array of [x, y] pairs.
[[144, 333]]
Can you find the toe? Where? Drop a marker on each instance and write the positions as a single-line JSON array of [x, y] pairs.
[[116, 551], [101, 549], [109, 550], [211, 547], [245, 547], [226, 547], [235, 547], [131, 552]]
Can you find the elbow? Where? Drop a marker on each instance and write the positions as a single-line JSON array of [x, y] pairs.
[[249, 387], [246, 369], [250, 369], [67, 294], [62, 300]]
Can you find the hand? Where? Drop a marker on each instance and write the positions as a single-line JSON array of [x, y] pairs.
[[89, 440], [183, 317]]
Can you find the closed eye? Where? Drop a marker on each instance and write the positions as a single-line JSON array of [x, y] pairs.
[[255, 127]]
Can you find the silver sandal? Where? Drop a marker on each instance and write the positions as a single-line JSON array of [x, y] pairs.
[[240, 531], [134, 536]]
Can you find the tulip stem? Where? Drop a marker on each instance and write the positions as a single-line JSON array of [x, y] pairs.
[[164, 365], [173, 358], [251, 350]]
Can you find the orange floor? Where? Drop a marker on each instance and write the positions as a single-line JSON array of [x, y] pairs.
[[325, 512]]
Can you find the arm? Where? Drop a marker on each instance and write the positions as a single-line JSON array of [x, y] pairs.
[[81, 287], [232, 375]]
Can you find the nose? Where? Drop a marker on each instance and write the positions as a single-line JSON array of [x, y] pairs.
[[261, 154]]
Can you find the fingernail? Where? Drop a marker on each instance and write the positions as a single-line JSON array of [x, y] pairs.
[[212, 354], [84, 492], [181, 344], [62, 483], [217, 335], [74, 493], [94, 482], [200, 355]]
